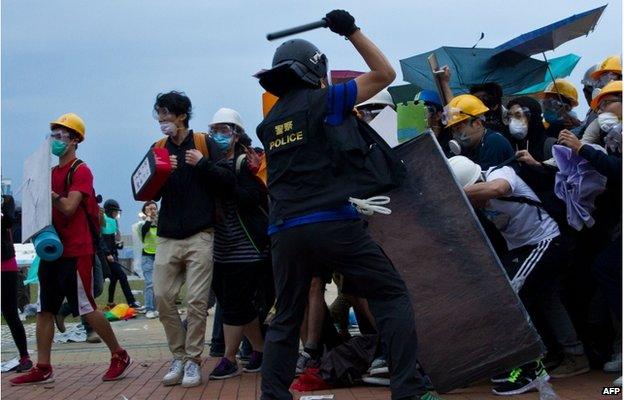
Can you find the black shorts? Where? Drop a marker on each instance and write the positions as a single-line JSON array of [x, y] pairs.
[[68, 278], [236, 285]]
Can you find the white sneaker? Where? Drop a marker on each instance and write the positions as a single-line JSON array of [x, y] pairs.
[[618, 382], [192, 374], [615, 364], [176, 371], [151, 314]]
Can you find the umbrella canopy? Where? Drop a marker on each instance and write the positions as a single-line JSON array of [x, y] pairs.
[[472, 66], [403, 93], [553, 35], [339, 76], [560, 68]]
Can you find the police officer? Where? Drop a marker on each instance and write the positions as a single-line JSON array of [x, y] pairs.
[[311, 223]]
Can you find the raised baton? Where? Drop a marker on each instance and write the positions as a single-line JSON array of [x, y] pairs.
[[298, 29]]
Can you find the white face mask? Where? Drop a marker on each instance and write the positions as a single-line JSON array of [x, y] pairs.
[[607, 121], [518, 129], [168, 128]]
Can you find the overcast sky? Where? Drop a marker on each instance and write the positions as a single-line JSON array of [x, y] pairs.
[[107, 60]]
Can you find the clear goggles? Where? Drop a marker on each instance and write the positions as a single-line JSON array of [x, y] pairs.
[[162, 113], [605, 103], [449, 114], [516, 113], [553, 104], [59, 134], [606, 78], [223, 129]]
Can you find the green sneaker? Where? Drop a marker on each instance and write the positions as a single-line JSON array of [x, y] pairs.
[[430, 396]]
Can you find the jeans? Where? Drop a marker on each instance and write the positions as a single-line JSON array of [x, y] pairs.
[[147, 266]]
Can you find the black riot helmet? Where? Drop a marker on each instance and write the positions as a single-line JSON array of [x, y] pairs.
[[111, 205], [296, 62]]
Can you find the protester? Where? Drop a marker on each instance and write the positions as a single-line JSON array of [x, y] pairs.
[[526, 130], [536, 255], [558, 101], [75, 216], [609, 70], [240, 247], [149, 241], [432, 101], [9, 285], [185, 234], [465, 117], [111, 238], [311, 224], [491, 94], [607, 267], [369, 109]]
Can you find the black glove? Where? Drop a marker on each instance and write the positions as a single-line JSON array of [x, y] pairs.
[[341, 22]]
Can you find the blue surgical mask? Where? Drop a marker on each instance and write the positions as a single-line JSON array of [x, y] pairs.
[[58, 147], [552, 117], [223, 141]]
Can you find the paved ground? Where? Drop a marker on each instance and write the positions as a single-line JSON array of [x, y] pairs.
[[79, 366]]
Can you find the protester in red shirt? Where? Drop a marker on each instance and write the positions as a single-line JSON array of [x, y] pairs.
[[71, 276]]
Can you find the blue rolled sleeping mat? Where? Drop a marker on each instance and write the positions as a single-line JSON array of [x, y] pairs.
[[47, 244]]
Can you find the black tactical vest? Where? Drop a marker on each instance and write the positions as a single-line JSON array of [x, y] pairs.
[[313, 166]]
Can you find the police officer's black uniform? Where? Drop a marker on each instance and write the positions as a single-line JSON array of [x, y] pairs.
[[312, 225]]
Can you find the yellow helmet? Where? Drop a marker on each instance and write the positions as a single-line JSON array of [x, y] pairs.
[[610, 64], [463, 107], [563, 88], [613, 87], [71, 121]]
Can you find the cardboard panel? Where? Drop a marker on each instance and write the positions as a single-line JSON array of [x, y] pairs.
[[470, 323]]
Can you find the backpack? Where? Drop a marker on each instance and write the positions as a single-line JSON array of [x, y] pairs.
[[92, 210], [199, 139], [260, 175]]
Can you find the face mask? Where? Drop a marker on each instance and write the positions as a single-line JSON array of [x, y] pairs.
[[460, 143], [607, 121], [58, 147], [168, 128], [552, 116], [518, 129], [222, 141]]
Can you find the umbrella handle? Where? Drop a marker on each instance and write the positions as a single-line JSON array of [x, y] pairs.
[[297, 29]]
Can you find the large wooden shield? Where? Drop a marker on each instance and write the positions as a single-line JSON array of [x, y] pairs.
[[470, 323]]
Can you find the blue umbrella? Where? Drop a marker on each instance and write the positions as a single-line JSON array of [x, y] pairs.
[[553, 35], [472, 66], [560, 67]]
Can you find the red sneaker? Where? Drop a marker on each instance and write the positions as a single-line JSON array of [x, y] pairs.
[[36, 376], [119, 366]]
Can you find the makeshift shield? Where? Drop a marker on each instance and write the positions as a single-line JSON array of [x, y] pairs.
[[470, 323]]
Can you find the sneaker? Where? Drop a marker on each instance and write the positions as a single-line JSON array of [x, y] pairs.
[[192, 374], [375, 380], [138, 307], [93, 337], [379, 368], [614, 365], [24, 365], [109, 306], [430, 396], [618, 382], [151, 314], [255, 362], [571, 365], [119, 366], [500, 378], [59, 320], [175, 374], [305, 361], [36, 376], [243, 359], [225, 369], [522, 380]]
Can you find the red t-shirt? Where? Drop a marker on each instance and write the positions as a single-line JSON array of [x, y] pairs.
[[73, 230]]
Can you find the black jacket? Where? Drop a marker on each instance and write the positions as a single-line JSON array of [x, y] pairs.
[[251, 199], [188, 196]]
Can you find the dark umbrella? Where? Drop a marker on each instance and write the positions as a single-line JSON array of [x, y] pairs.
[[472, 66], [551, 36]]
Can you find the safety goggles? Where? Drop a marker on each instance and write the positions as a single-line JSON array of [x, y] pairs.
[[606, 78], [162, 113], [60, 135], [604, 103], [553, 104], [223, 129], [517, 113], [369, 114], [451, 113]]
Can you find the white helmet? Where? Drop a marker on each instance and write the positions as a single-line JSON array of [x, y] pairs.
[[466, 171], [227, 116], [382, 98]]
